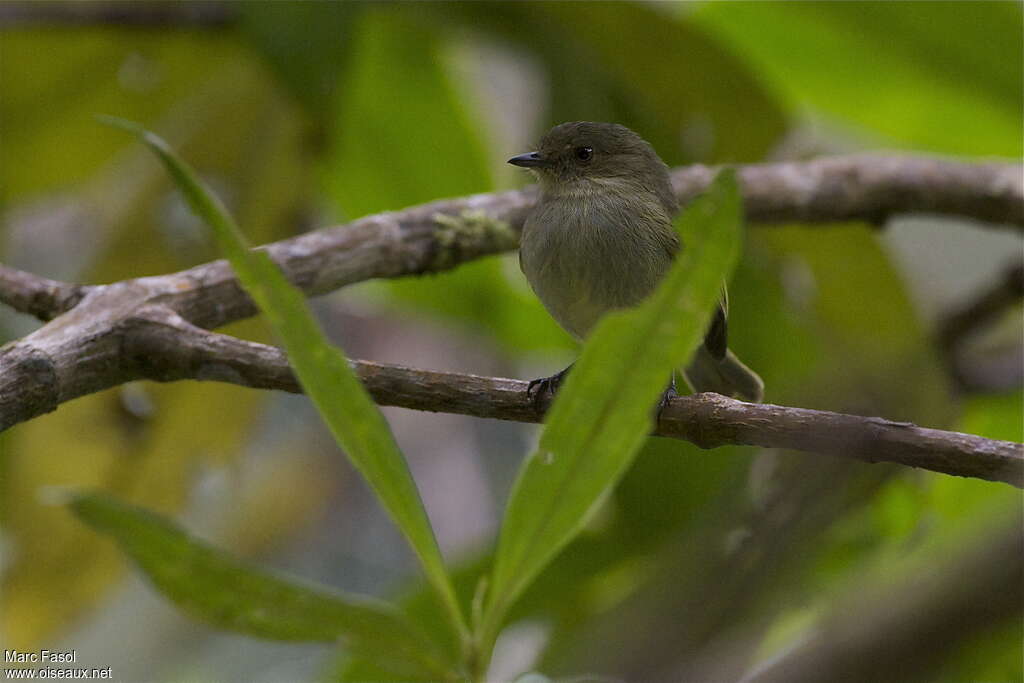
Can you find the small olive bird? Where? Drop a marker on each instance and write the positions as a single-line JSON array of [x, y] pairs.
[[601, 237]]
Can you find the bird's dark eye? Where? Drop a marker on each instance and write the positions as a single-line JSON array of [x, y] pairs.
[[584, 153]]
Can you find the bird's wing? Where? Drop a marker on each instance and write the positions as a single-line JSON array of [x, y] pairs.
[[671, 241], [522, 236], [717, 338]]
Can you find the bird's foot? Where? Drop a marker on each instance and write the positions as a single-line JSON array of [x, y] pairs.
[[666, 396], [538, 389]]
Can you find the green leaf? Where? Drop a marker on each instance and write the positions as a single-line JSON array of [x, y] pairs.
[[997, 416], [385, 156], [698, 116], [54, 80], [380, 159], [323, 29], [605, 410], [229, 594], [941, 75], [695, 120], [323, 371]]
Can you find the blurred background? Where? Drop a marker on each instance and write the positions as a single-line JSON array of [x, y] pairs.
[[703, 564]]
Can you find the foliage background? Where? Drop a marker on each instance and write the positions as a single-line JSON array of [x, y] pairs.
[[307, 114]]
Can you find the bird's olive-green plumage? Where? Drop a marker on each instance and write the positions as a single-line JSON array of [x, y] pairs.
[[601, 237]]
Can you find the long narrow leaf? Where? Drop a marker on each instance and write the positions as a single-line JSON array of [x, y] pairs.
[[605, 410], [323, 371], [229, 594]]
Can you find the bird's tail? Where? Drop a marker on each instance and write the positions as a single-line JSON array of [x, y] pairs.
[[728, 376]]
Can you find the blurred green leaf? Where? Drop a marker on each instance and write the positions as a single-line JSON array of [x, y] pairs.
[[405, 135], [87, 204], [998, 416], [604, 411], [921, 73], [324, 31], [55, 80], [669, 484], [230, 594], [871, 354], [694, 119], [352, 416], [996, 656]]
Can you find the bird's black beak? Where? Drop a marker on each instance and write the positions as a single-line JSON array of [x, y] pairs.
[[529, 160]]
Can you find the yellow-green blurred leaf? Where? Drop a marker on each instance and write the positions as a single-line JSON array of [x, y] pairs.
[[920, 73], [342, 401], [229, 594]]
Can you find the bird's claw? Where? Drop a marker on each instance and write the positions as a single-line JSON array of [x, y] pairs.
[[666, 396], [538, 388]]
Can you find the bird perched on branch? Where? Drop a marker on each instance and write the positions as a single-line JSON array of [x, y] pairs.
[[601, 237]]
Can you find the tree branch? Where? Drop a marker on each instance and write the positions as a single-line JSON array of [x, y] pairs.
[[871, 188], [988, 371], [157, 327], [983, 309], [158, 344], [191, 14], [38, 296]]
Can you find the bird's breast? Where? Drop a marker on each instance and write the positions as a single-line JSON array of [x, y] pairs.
[[584, 258]]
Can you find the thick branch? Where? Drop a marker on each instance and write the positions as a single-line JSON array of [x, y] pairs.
[[988, 371], [155, 343], [441, 235], [871, 188], [152, 327], [38, 296]]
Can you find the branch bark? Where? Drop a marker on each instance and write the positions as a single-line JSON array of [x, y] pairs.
[[157, 344], [202, 14], [158, 327], [871, 188], [38, 296]]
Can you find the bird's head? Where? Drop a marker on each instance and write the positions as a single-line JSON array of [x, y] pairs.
[[583, 157]]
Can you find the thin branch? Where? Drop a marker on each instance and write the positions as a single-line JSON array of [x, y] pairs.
[[984, 308], [988, 372], [167, 348], [101, 347], [155, 327], [38, 296], [191, 14]]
